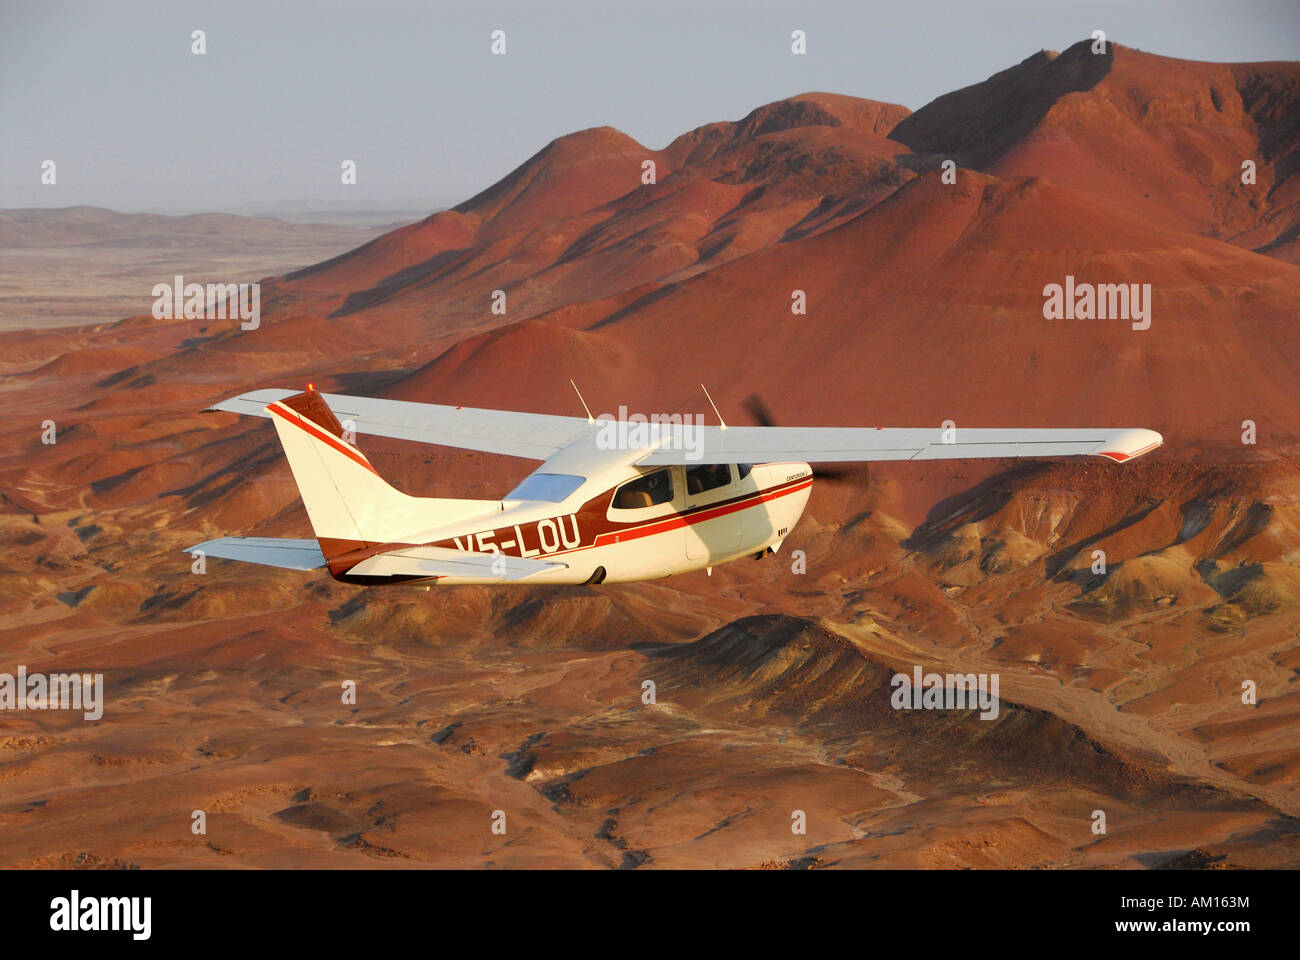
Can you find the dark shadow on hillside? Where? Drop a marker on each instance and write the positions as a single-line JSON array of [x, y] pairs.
[[970, 506], [979, 123]]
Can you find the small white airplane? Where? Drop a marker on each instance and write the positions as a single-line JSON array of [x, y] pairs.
[[592, 512]]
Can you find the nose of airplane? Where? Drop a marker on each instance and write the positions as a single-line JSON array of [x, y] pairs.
[[853, 472]]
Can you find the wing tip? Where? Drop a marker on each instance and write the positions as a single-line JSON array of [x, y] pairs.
[[1130, 444]]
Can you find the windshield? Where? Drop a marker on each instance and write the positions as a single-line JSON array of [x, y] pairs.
[[551, 487]]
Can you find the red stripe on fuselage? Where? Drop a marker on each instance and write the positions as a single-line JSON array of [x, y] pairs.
[[648, 528], [665, 524]]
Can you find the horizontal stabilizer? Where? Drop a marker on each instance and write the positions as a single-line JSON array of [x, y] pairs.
[[268, 551], [449, 562]]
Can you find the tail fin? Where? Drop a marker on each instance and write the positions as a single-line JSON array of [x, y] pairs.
[[350, 506]]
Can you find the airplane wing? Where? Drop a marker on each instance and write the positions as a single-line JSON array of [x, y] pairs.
[[268, 551], [538, 436], [534, 436], [832, 444], [449, 562]]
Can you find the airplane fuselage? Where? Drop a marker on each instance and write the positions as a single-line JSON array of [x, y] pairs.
[[605, 539]]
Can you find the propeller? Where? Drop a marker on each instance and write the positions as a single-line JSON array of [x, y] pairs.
[[857, 471], [757, 409]]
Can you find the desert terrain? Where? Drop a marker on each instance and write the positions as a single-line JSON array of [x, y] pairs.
[[1120, 691], [80, 266]]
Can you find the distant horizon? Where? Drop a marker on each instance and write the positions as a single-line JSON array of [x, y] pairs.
[[258, 126], [288, 212]]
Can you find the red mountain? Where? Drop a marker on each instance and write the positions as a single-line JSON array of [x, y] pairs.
[[1159, 138]]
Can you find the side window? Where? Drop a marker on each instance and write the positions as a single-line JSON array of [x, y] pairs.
[[645, 491], [742, 470], [706, 477]]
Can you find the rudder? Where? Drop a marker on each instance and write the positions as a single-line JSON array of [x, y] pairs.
[[350, 506]]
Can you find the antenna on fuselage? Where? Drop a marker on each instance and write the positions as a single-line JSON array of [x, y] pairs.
[[590, 418], [714, 406]]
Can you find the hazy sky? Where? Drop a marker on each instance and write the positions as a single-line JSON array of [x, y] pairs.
[[410, 91]]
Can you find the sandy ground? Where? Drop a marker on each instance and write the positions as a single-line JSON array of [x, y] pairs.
[[224, 695]]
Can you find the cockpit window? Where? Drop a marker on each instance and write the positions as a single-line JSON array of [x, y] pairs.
[[706, 477], [551, 487], [742, 470], [645, 491]]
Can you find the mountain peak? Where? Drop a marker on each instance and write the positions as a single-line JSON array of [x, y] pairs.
[[822, 109]]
